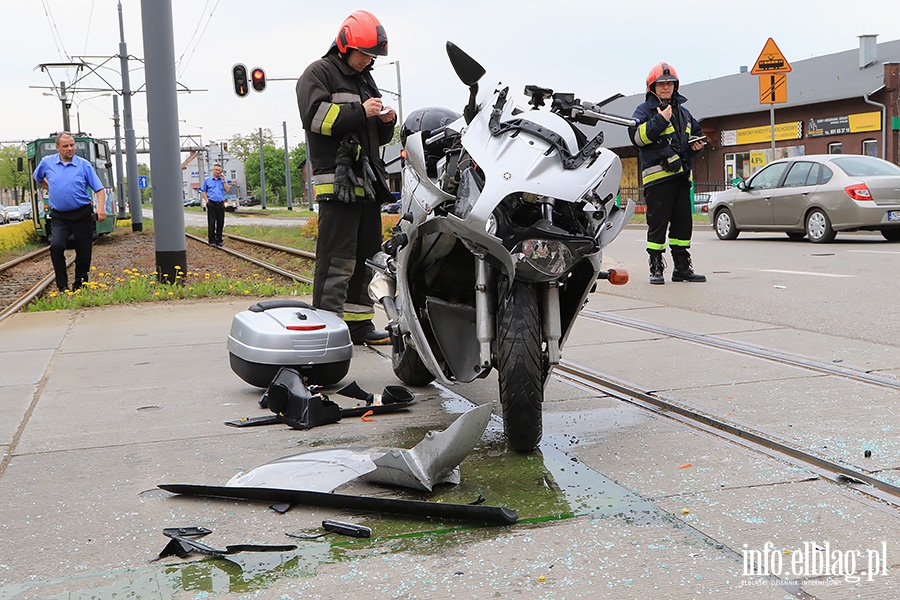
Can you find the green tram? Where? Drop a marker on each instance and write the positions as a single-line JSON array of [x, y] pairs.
[[95, 151]]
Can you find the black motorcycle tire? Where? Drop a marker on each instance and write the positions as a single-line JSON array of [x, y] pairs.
[[408, 366], [520, 367]]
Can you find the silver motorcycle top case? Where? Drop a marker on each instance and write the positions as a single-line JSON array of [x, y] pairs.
[[289, 333]]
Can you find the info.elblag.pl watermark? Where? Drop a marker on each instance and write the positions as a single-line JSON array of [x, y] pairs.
[[813, 560]]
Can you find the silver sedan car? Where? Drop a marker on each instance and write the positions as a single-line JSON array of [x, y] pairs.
[[814, 197]]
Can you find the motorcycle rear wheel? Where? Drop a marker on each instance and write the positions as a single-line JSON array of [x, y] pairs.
[[408, 366], [519, 366]]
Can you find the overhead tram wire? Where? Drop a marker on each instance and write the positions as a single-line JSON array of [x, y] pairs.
[[54, 31], [87, 34], [178, 64]]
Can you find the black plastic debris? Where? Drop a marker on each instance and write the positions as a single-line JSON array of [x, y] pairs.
[[290, 399], [296, 405], [182, 543], [495, 515], [339, 527], [392, 394]]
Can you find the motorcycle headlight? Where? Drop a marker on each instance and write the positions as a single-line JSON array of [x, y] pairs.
[[490, 225], [548, 257]]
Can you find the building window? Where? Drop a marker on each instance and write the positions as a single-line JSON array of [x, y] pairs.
[[233, 175], [835, 148], [870, 147]]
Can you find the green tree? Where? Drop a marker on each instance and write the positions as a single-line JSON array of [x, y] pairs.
[[10, 176], [245, 146], [273, 160]]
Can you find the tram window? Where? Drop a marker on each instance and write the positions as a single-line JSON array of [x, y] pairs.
[[870, 147]]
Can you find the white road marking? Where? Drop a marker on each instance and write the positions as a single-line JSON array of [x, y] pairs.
[[803, 273]]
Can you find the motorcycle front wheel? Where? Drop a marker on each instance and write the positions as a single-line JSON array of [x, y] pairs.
[[408, 366], [519, 367]]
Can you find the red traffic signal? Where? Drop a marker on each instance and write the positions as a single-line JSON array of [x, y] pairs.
[[258, 79], [239, 75]]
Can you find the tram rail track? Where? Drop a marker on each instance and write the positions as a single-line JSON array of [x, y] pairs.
[[741, 434], [269, 266], [25, 278], [747, 349]]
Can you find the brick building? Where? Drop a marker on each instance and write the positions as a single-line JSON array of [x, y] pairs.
[[848, 102]]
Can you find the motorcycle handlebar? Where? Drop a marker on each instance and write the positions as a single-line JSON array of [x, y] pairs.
[[593, 111]]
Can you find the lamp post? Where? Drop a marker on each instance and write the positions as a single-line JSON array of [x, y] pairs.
[[78, 107], [398, 93]]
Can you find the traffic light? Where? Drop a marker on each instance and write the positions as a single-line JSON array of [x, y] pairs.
[[239, 74], [258, 79]]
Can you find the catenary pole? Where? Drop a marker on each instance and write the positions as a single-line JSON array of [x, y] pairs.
[[119, 187], [131, 170], [262, 172], [287, 167], [165, 144]]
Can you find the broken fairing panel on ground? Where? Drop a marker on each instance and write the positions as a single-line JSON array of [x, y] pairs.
[[434, 460]]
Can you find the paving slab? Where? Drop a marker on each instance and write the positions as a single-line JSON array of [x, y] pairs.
[[126, 398]]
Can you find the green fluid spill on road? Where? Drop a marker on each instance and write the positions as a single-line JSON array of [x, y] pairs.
[[542, 486]]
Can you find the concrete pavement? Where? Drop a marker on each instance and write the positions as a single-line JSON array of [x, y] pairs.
[[100, 406]]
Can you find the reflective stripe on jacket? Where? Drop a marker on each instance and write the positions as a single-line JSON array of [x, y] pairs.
[[660, 141]]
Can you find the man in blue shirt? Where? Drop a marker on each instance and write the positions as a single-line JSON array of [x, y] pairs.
[[69, 179], [213, 191]]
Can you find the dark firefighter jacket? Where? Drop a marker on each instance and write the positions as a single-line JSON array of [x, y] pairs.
[[330, 95], [663, 146]]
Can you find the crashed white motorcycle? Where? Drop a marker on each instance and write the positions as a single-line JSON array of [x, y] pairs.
[[505, 212]]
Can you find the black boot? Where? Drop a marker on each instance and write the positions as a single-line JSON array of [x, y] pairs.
[[684, 270], [657, 266]]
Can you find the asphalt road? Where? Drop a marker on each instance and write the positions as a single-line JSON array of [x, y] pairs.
[[847, 288]]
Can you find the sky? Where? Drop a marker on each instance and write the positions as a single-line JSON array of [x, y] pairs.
[[592, 49]]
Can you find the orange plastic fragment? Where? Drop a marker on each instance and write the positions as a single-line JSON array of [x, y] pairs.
[[366, 416], [685, 466]]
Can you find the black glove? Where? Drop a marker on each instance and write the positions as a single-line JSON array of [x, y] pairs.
[[672, 164], [345, 180]]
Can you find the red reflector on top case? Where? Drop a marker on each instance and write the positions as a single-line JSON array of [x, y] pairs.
[[306, 327]]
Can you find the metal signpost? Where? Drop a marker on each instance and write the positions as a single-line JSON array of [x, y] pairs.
[[772, 66]]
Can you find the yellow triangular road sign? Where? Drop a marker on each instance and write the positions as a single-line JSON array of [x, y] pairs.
[[770, 60]]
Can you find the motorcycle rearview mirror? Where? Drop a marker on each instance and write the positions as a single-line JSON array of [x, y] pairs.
[[469, 71], [466, 67]]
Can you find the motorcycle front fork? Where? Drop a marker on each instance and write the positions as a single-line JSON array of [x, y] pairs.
[[485, 303]]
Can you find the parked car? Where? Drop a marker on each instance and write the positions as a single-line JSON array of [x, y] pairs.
[[392, 209], [192, 202], [249, 202], [25, 207], [702, 200], [814, 197], [4, 216], [14, 213]]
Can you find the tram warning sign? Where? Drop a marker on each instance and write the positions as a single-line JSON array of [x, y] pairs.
[[770, 61]]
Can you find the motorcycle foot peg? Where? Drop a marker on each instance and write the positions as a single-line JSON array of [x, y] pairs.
[[349, 529]]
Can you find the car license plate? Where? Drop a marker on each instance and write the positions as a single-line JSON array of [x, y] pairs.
[[894, 215]]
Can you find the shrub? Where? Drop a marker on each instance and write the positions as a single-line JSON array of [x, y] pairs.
[[17, 236], [311, 229]]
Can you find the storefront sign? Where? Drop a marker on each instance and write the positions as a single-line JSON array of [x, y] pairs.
[[857, 123], [756, 135]]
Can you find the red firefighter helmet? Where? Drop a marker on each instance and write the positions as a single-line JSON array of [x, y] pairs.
[[362, 31], [661, 72]]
